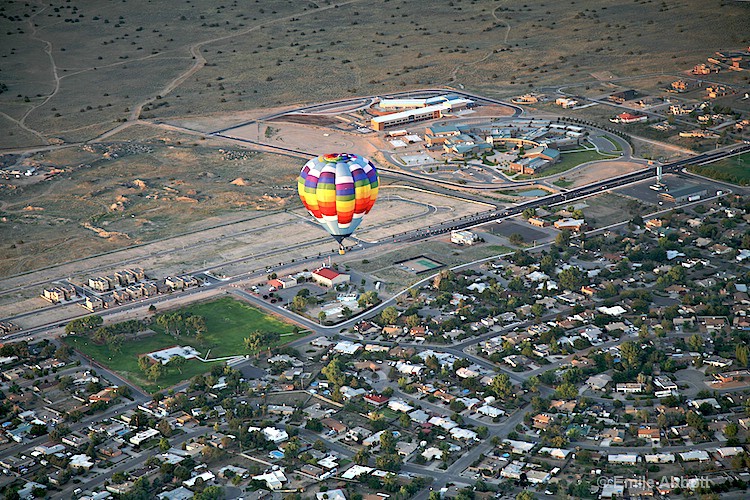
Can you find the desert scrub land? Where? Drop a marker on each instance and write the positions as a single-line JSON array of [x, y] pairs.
[[75, 70], [119, 194]]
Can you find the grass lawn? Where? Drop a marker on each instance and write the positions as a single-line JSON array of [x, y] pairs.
[[570, 160], [125, 363], [735, 169], [563, 183], [614, 143], [228, 322]]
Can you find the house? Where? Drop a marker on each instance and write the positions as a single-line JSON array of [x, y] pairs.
[[347, 347], [106, 395], [575, 225], [627, 118], [144, 436], [659, 458], [613, 434], [376, 400], [542, 421], [325, 276], [695, 456], [490, 411], [665, 383], [275, 435], [333, 425], [76, 440], [650, 434], [610, 490], [566, 102], [557, 453], [599, 382], [623, 458], [629, 388], [81, 462]]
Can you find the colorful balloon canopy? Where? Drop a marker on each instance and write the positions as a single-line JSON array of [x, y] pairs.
[[338, 190]]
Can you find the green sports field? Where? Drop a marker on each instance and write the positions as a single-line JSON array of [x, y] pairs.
[[228, 322]]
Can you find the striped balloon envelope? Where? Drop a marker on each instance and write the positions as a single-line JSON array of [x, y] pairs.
[[338, 190]]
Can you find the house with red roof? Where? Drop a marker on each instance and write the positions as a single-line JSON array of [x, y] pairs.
[[376, 399], [628, 118]]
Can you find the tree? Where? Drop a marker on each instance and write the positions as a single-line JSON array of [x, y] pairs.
[[404, 420], [387, 442], [731, 429], [155, 372], [164, 444], [563, 238], [389, 315], [501, 386], [741, 353], [570, 278], [177, 362], [292, 448], [322, 317], [164, 427], [695, 420], [334, 372], [537, 310], [516, 239], [210, 493], [413, 320], [643, 332], [695, 342], [362, 457], [144, 363], [566, 391], [630, 354], [314, 425], [525, 495]]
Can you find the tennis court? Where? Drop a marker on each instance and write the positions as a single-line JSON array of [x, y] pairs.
[[420, 264]]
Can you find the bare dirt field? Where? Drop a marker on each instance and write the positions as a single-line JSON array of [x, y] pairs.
[[308, 138], [599, 171]]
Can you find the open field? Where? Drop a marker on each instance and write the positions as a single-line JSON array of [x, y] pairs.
[[610, 208], [213, 57], [384, 268], [228, 322], [125, 362], [735, 170], [596, 172]]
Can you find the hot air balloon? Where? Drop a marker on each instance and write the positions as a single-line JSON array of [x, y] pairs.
[[338, 190]]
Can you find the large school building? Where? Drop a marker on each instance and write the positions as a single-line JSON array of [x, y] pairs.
[[415, 110]]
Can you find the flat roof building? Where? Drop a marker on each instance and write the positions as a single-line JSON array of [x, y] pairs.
[[451, 103]]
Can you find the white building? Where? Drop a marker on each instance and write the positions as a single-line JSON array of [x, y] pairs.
[[464, 237], [274, 479], [659, 458], [695, 455], [275, 435], [144, 436], [623, 458]]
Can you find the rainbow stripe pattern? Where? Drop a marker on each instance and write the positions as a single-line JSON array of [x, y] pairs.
[[338, 190]]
